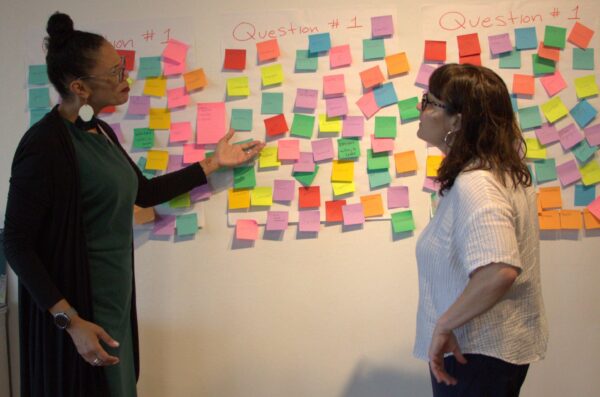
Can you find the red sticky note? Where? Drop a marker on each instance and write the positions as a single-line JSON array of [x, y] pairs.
[[372, 77], [435, 51], [309, 196], [548, 52], [235, 59], [580, 35], [267, 50], [109, 109], [129, 56], [470, 59], [276, 125], [333, 210], [523, 84], [468, 44]]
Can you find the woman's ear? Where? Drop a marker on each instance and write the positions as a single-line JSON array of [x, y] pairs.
[[456, 122], [79, 89]]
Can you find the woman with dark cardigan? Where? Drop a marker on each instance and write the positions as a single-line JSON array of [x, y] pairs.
[[68, 232]]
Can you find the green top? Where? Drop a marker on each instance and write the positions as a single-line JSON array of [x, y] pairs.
[[108, 190]]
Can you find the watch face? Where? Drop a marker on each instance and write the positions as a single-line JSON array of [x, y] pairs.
[[61, 320]]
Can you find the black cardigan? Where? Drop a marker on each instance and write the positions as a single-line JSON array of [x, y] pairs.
[[45, 245]]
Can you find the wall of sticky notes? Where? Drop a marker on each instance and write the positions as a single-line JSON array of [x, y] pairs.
[[295, 274]]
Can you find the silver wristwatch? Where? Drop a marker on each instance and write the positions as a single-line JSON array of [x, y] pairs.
[[63, 319]]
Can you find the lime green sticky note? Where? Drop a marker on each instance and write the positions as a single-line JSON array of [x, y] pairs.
[[238, 86], [554, 109], [38, 75], [143, 138], [590, 173], [303, 125], [555, 36], [534, 149], [272, 74], [261, 196], [545, 170], [241, 119], [377, 161], [385, 127], [306, 178], [583, 58], [329, 124], [244, 177], [341, 188], [181, 201], [373, 49], [379, 178], [403, 221], [268, 157], [408, 109], [510, 60], [348, 148], [39, 98], [542, 65], [586, 86], [305, 62], [186, 224], [272, 103]]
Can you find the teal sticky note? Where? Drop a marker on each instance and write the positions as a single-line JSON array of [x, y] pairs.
[[141, 163], [526, 38], [385, 127], [542, 65], [149, 67], [385, 95], [377, 161], [583, 58], [272, 103], [583, 113], [244, 178], [555, 36], [373, 49], [348, 148], [403, 221], [241, 119], [186, 224], [306, 178], [584, 195], [514, 103], [38, 75], [510, 60], [530, 117], [319, 42], [545, 170], [408, 109], [39, 98], [583, 151], [303, 125], [531, 173], [143, 138], [379, 178], [306, 62], [36, 115]]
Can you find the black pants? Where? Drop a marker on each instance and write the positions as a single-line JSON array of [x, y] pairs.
[[482, 376]]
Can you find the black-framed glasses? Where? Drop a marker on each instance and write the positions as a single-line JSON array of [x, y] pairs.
[[117, 71], [426, 101]]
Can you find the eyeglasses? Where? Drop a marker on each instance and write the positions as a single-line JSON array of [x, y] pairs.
[[117, 71], [426, 101]]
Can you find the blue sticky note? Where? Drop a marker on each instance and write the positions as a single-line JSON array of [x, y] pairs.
[[583, 113], [149, 67], [510, 60], [186, 224], [36, 115], [379, 178], [583, 58], [241, 119], [385, 95], [583, 151], [526, 38], [319, 42], [530, 117], [305, 62], [373, 49], [39, 98], [272, 103], [545, 170], [584, 195], [38, 75]]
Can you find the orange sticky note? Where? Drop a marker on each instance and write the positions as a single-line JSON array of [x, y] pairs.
[[580, 35], [405, 161], [267, 50], [309, 197], [550, 197], [276, 125], [372, 205], [570, 219], [435, 51], [194, 80], [397, 64], [468, 44], [372, 77], [238, 199], [143, 215], [333, 210], [523, 84], [246, 229], [549, 220], [548, 52], [538, 202], [590, 221]]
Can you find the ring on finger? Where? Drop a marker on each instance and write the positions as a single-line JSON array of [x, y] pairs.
[[97, 361]]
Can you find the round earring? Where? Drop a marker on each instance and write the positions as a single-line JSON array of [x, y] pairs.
[[86, 112], [447, 138]]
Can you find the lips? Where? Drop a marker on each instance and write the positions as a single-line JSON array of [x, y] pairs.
[[124, 90]]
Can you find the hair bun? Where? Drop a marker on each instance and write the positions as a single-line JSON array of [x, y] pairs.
[[59, 27]]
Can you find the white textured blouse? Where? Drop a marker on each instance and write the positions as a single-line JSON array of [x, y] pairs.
[[478, 222]]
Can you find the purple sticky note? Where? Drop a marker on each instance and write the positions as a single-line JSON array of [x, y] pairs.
[[309, 221], [547, 134], [353, 214], [423, 76], [367, 104], [379, 145], [116, 127], [306, 99], [336, 106], [592, 134], [397, 197], [382, 26], [139, 105], [277, 220], [353, 126], [202, 192], [164, 225], [568, 172], [175, 162], [283, 190], [322, 149], [431, 185], [570, 136], [305, 163], [500, 43]]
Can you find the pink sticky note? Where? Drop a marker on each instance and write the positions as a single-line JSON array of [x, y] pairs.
[[547, 134], [594, 207], [431, 184], [309, 221], [180, 132], [175, 51], [353, 214], [367, 104], [172, 69], [381, 144], [177, 97], [305, 163], [306, 99], [277, 220], [382, 26], [336, 106], [139, 105], [592, 134], [202, 192], [288, 149], [570, 136], [340, 56], [116, 127], [192, 153], [500, 43], [283, 189], [211, 122], [322, 149], [553, 83], [334, 85], [246, 229], [568, 172], [397, 197], [353, 126], [175, 162], [164, 225], [423, 76]]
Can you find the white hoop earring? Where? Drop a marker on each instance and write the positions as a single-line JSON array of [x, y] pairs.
[[447, 140], [86, 112]]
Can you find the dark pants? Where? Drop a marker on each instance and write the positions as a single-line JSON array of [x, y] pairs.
[[482, 376]]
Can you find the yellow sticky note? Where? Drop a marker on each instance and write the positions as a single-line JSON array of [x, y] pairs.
[[238, 86], [271, 74], [342, 171], [155, 86], [549, 220], [340, 188], [268, 157], [405, 162], [261, 196], [586, 86], [433, 163], [238, 199], [534, 149], [160, 119], [329, 124], [554, 109], [372, 205], [157, 160], [590, 173]]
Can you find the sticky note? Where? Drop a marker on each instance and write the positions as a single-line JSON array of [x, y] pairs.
[[39, 98], [164, 225], [385, 127], [510, 60], [529, 117], [177, 98], [271, 75], [303, 125], [377, 161], [367, 104], [340, 56], [244, 177], [525, 38], [583, 151], [186, 224], [175, 51], [542, 65], [534, 149], [423, 75], [381, 144], [397, 197], [379, 178], [116, 127], [329, 124], [592, 134], [403, 221], [435, 51], [268, 157], [342, 171], [309, 221], [306, 99], [305, 163], [306, 62], [470, 59], [143, 138], [261, 196], [555, 36], [583, 59], [238, 199], [590, 173], [202, 192], [336, 106], [277, 220], [468, 44], [371, 77], [160, 119], [342, 188], [353, 214], [194, 80], [499, 43], [594, 208], [550, 197], [545, 170], [241, 119], [373, 49], [157, 160], [405, 161], [309, 197], [372, 205], [272, 103], [432, 165], [334, 85], [553, 83], [382, 26], [319, 42], [333, 210], [584, 195], [149, 67], [138, 105], [580, 35], [568, 172], [276, 125], [192, 153], [569, 136], [246, 229], [283, 189], [523, 84], [322, 149], [235, 59], [171, 69], [348, 148], [570, 219], [385, 95], [583, 113], [586, 86], [353, 127], [550, 53], [397, 64], [38, 75], [408, 109], [549, 220], [591, 221], [155, 86], [238, 86], [554, 109], [181, 201], [175, 162], [431, 185], [306, 178], [267, 50], [288, 149], [211, 122]]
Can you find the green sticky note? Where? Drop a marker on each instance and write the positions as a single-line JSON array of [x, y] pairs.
[[583, 58], [583, 151], [379, 178], [306, 62], [39, 98], [510, 60], [181, 201], [377, 161], [385, 127], [272, 103], [403, 221], [38, 75], [408, 109], [186, 224], [36, 115], [244, 177], [241, 119], [373, 49], [555, 36], [542, 65], [143, 138], [306, 178], [303, 125], [545, 170], [149, 67], [530, 117], [348, 148]]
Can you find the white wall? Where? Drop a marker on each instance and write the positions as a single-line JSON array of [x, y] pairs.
[[331, 316]]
